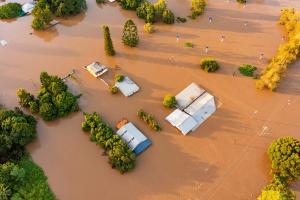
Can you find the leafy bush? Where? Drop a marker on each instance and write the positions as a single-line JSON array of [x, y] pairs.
[[197, 8], [247, 69], [42, 15], [130, 4], [149, 119], [146, 11], [130, 34], [149, 28], [16, 130], [286, 53], [169, 101], [10, 10], [108, 45], [284, 154], [121, 157], [241, 1], [209, 64], [114, 89], [119, 78], [53, 100], [168, 17]]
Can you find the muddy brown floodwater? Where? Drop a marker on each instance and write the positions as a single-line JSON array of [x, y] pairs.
[[225, 159]]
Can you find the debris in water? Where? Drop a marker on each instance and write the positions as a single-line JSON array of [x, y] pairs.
[[3, 42]]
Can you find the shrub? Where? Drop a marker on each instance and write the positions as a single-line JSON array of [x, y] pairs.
[[16, 130], [119, 78], [286, 53], [209, 64], [62, 8], [149, 28], [197, 7], [130, 34], [42, 15], [53, 100], [121, 157], [108, 45], [130, 4], [149, 119], [114, 90], [284, 154], [189, 44], [169, 101], [146, 11], [10, 10], [247, 69], [168, 17], [241, 1]]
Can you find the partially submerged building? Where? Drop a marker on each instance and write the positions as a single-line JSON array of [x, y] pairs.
[[96, 69], [127, 86], [136, 140], [194, 106]]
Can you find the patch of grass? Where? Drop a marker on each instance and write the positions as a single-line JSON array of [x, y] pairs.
[[189, 44]]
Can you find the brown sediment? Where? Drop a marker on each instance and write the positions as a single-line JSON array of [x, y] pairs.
[[224, 159]]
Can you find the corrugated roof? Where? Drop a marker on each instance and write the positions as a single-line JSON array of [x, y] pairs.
[[188, 95], [131, 135], [127, 86]]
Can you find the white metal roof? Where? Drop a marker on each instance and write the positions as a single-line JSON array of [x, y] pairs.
[[184, 122], [127, 86], [131, 135], [188, 95], [202, 107], [28, 7], [96, 69]]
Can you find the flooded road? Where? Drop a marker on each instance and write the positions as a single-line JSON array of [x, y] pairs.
[[224, 159]]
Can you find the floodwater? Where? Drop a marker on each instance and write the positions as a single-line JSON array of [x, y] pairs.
[[224, 159]]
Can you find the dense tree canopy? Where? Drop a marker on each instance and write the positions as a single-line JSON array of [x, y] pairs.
[[62, 8], [168, 17], [146, 11], [16, 130], [120, 155], [10, 10], [53, 101], [169, 101], [42, 15], [284, 154], [197, 7], [108, 45], [130, 34], [209, 64]]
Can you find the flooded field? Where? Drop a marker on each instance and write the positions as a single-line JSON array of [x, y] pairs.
[[224, 159]]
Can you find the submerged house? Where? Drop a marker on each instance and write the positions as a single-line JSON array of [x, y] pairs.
[[136, 140], [194, 106], [96, 69], [127, 86]]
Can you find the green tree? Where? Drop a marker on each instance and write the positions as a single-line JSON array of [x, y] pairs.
[[209, 64], [146, 11], [169, 101], [160, 6], [10, 10], [108, 45], [67, 7], [284, 154], [197, 7], [42, 15], [130, 4], [130, 34], [168, 17]]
